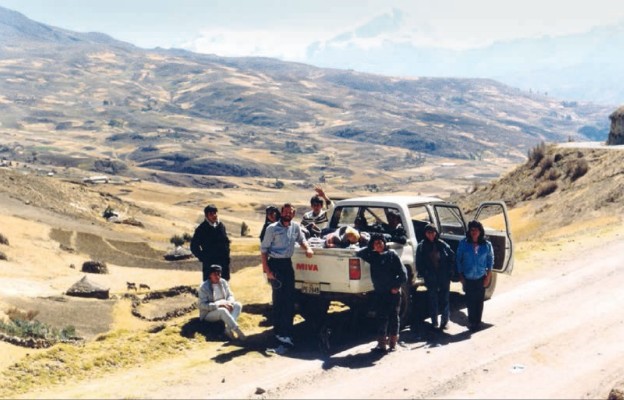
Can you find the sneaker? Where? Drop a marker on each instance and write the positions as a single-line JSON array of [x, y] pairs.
[[287, 340], [228, 332], [279, 350], [240, 335]]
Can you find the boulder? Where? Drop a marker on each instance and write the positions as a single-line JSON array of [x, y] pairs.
[[616, 133], [179, 253], [95, 267], [87, 288]]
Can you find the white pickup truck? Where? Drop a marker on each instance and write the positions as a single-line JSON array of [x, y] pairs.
[[337, 274]]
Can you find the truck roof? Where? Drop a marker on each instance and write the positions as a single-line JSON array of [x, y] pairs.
[[386, 200]]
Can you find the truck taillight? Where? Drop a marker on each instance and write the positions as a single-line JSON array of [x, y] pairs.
[[355, 273]]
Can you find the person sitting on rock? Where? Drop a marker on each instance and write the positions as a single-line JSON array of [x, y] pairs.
[[217, 303]]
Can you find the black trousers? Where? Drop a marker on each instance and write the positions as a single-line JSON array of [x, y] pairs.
[[387, 311], [475, 297], [283, 295]]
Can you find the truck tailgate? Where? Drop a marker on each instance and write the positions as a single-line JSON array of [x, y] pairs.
[[328, 271]]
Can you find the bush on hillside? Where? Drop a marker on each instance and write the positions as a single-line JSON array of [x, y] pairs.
[[577, 168], [545, 188], [4, 240], [536, 154]]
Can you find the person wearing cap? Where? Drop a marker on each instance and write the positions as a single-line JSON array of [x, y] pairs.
[[317, 219], [211, 244], [272, 214], [475, 259], [276, 250], [217, 303], [435, 262], [388, 274]]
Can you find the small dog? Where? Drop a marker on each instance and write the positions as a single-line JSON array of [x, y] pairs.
[[131, 285], [144, 286]]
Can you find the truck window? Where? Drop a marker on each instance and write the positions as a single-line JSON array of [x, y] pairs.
[[420, 217], [451, 221]]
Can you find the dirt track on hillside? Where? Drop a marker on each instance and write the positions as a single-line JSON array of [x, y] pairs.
[[553, 331]]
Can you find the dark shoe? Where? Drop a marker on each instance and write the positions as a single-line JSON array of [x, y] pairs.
[[392, 342], [379, 349], [444, 324], [475, 327], [382, 346]]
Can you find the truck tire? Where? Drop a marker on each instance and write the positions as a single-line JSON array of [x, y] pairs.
[[313, 309], [489, 291], [405, 310]]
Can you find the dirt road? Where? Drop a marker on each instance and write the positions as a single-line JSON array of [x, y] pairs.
[[553, 331]]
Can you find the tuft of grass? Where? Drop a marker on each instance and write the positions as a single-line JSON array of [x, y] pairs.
[[4, 240], [15, 313]]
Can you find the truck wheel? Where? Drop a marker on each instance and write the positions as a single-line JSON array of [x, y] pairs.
[[405, 311], [313, 309], [489, 291]]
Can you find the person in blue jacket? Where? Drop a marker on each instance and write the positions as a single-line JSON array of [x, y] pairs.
[[388, 274], [475, 259]]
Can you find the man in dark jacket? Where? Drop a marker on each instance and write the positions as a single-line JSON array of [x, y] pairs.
[[211, 245], [435, 262]]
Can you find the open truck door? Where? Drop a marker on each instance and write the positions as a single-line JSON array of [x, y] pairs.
[[493, 216]]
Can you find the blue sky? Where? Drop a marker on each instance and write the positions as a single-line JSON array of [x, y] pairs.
[[286, 29]]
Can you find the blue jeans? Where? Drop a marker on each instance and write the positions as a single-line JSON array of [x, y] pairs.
[[283, 295]]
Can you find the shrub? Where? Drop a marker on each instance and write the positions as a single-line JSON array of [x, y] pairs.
[[544, 165], [3, 256], [536, 154], [38, 330], [577, 168], [545, 188], [553, 174], [15, 314], [177, 240], [4, 240]]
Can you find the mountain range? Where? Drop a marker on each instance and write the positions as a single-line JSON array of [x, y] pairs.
[[582, 66], [88, 101]]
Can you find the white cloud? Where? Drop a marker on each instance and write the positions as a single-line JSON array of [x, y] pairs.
[[233, 43]]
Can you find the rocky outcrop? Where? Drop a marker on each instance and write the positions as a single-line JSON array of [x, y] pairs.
[[179, 253], [95, 267], [87, 288], [616, 133]]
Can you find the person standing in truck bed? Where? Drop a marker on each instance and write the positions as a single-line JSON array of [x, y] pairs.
[[317, 219]]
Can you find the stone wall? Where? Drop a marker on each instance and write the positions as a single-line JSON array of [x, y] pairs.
[[616, 133]]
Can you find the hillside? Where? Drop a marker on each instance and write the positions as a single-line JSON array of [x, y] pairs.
[[88, 101], [559, 190]]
